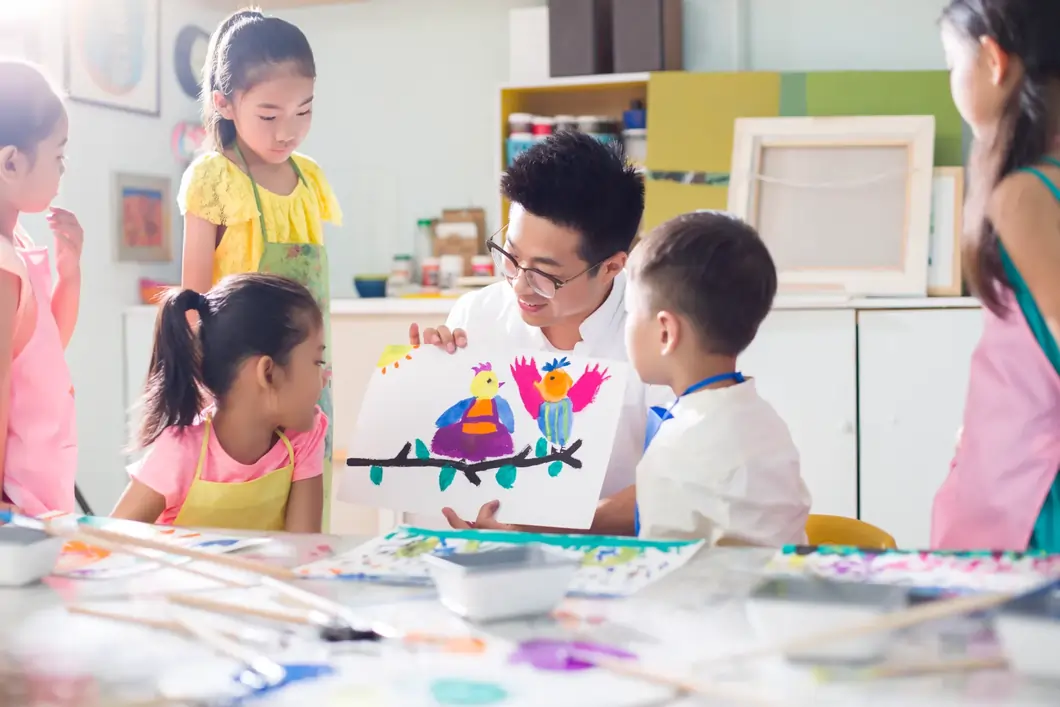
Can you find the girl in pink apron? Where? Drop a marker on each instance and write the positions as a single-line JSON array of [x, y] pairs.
[[1003, 490], [38, 447], [251, 455]]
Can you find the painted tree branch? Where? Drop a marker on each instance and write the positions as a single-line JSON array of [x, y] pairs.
[[471, 470]]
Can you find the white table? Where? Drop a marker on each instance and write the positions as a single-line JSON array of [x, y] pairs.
[[703, 597]]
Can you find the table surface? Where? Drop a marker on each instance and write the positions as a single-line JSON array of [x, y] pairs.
[[696, 613]]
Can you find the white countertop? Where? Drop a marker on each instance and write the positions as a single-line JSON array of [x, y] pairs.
[[388, 306]]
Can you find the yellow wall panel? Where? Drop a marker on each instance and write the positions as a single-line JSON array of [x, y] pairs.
[[665, 200], [690, 116]]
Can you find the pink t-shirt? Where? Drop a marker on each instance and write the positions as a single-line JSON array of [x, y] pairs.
[[169, 466]]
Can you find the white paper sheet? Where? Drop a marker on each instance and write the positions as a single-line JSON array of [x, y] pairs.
[[543, 473]]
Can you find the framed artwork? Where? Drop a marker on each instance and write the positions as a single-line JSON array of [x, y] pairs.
[[143, 218], [843, 203], [112, 54], [947, 226], [189, 57]]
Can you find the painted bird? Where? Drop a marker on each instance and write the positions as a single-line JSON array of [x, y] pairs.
[[553, 400], [479, 427]]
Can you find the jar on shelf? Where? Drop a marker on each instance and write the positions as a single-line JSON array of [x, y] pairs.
[[565, 123], [520, 124], [429, 272], [542, 126], [423, 243], [482, 266]]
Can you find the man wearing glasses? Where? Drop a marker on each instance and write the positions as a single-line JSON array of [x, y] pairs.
[[576, 206]]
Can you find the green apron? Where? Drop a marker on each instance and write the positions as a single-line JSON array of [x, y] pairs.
[[306, 264]]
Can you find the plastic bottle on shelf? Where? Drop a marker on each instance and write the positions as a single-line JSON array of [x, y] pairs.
[[422, 246]]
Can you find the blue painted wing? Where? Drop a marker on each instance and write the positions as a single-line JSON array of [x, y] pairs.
[[504, 414], [454, 414]]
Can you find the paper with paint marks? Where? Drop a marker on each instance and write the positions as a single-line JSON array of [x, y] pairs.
[[460, 430], [611, 566], [85, 561], [942, 571]]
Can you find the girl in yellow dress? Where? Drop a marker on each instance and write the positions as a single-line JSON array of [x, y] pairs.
[[252, 204]]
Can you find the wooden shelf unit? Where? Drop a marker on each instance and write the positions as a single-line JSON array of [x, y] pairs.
[[605, 94]]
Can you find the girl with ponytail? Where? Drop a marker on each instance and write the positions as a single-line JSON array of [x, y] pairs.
[[1003, 490], [229, 411], [251, 203]]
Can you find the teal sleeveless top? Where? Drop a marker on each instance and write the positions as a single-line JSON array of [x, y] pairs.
[[1046, 533]]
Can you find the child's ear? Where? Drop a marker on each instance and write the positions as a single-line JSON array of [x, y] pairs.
[[265, 372], [669, 332], [996, 58], [10, 163], [223, 106]]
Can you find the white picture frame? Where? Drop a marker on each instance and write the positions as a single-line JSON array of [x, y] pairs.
[[947, 226], [113, 55], [842, 178]]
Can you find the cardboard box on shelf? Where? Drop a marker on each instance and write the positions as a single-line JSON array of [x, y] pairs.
[[461, 232]]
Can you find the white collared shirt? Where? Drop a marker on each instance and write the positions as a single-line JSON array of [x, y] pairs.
[[723, 466], [491, 318]]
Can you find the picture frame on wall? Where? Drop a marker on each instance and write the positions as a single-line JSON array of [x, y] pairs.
[[947, 226], [143, 218], [113, 55]]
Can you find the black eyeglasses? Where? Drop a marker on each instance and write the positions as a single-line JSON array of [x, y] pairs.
[[540, 282]]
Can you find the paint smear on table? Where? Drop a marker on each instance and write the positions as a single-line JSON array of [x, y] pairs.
[[554, 655], [462, 693]]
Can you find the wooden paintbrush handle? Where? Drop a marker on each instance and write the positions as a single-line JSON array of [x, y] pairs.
[[86, 534], [222, 607]]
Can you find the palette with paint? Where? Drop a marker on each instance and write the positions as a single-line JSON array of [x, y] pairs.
[[785, 609], [27, 555], [513, 582]]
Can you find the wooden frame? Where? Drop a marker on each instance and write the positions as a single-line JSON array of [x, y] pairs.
[[947, 227], [909, 139], [137, 93], [142, 209]]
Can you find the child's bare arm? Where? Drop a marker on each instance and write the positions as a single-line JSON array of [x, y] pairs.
[[139, 502], [200, 240], [9, 293], [1027, 219], [305, 506]]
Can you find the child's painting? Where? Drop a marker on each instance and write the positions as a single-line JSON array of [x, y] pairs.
[[85, 561], [611, 566], [459, 430], [142, 214], [943, 571]]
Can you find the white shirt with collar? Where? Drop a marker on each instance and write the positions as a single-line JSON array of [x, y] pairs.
[[724, 466], [491, 318]]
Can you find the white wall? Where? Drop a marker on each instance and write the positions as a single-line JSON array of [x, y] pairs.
[[814, 35], [103, 142]]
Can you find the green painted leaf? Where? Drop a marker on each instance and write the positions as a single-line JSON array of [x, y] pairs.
[[554, 468], [421, 450], [506, 476], [445, 477], [376, 475], [542, 447]]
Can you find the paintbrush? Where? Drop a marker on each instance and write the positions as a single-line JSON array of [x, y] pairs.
[[922, 613], [684, 686], [156, 624]]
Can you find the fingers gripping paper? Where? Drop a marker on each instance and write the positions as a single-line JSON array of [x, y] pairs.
[[459, 430]]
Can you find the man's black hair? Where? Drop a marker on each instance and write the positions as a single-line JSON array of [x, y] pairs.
[[576, 181], [713, 269]]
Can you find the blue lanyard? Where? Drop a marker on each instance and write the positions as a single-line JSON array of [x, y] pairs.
[[657, 416]]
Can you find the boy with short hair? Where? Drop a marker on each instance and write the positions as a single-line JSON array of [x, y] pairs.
[[720, 465]]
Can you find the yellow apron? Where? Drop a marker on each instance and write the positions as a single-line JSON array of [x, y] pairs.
[[260, 504]]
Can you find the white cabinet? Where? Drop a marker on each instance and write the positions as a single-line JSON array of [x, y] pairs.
[[804, 364], [912, 375]]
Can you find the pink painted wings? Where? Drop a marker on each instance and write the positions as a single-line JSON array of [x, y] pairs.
[[526, 377], [585, 389]]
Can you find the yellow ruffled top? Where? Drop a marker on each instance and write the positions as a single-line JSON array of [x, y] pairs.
[[216, 190]]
